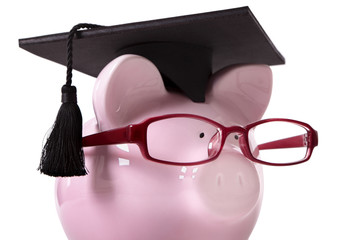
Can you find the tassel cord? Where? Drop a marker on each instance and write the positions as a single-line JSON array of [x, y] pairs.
[[69, 46]]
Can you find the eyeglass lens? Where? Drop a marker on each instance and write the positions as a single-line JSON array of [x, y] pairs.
[[278, 142], [182, 140]]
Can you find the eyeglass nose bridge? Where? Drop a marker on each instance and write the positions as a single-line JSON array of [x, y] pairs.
[[234, 129], [242, 140]]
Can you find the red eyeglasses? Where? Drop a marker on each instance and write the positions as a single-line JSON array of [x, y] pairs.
[[186, 139]]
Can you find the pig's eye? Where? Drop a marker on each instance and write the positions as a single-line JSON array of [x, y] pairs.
[[202, 135]]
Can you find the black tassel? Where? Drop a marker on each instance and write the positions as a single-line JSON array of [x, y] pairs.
[[62, 155]]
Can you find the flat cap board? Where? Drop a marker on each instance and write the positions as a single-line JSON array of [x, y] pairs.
[[186, 49]]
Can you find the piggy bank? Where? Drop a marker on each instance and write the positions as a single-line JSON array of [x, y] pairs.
[[127, 196]]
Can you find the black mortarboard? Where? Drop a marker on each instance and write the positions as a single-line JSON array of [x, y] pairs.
[[186, 49]]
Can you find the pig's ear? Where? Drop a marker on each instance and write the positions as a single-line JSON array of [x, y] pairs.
[[241, 92], [125, 87]]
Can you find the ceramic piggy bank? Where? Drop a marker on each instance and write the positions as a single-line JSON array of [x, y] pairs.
[[127, 196]]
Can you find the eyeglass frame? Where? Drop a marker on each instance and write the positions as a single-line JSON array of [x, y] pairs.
[[137, 134]]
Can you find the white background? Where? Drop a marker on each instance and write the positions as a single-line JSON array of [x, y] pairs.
[[319, 84]]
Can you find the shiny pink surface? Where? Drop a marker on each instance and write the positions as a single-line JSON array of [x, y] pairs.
[[127, 197]]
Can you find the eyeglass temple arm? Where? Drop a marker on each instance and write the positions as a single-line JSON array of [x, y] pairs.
[[116, 136], [291, 142]]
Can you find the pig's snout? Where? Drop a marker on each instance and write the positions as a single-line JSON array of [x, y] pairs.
[[230, 185]]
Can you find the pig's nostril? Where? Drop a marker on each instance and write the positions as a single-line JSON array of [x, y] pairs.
[[240, 179], [219, 179]]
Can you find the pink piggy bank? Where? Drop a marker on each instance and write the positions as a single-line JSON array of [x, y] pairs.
[[127, 196]]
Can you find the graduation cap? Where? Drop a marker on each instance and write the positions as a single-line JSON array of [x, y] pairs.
[[187, 50]]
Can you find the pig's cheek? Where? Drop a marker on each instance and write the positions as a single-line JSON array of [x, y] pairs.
[[230, 186]]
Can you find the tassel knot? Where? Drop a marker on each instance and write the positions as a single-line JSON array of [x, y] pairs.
[[68, 94]]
